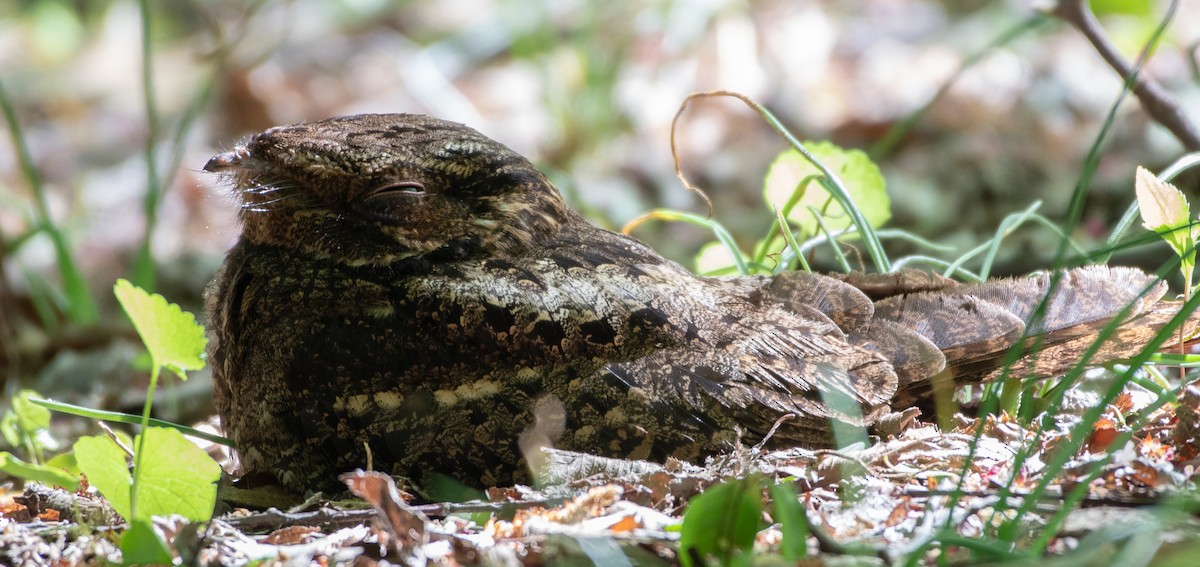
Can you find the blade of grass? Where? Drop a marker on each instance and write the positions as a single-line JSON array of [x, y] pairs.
[[1092, 161], [128, 418], [47, 302], [989, 405], [80, 307], [790, 239], [1083, 430], [947, 269], [1008, 226], [157, 184], [1079, 434], [838, 256], [831, 181], [1144, 239], [901, 234], [719, 232], [1075, 211], [143, 266], [1176, 359], [782, 213]]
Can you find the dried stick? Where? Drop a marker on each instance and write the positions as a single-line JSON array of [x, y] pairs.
[[1159, 103]]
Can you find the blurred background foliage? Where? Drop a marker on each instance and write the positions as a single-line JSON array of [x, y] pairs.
[[120, 103]]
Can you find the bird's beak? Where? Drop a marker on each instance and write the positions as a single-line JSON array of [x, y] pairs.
[[227, 160]]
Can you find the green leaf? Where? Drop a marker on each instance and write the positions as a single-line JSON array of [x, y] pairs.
[[722, 521], [177, 477], [119, 417], [65, 462], [784, 187], [794, 524], [1142, 8], [172, 336], [104, 464], [31, 418], [10, 428], [1160, 203], [45, 474], [140, 545], [1164, 209], [25, 422]]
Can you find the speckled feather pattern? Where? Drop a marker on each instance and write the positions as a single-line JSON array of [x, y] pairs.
[[407, 288]]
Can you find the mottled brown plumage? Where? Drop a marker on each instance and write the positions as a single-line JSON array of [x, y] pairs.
[[408, 287]]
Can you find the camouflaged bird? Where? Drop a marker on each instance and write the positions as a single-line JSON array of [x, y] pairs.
[[408, 289]]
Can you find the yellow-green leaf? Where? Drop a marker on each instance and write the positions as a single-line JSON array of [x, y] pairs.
[[1163, 209], [104, 464], [140, 545], [45, 474], [1161, 204], [172, 336], [30, 416], [791, 180], [178, 477]]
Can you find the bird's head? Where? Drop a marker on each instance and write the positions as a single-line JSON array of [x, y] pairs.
[[369, 190]]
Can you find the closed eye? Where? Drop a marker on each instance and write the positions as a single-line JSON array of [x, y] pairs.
[[410, 188]]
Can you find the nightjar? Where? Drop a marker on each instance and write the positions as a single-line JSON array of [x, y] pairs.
[[409, 293]]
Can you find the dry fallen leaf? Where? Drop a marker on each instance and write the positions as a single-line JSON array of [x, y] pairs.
[[405, 525], [626, 524], [291, 535], [1104, 432]]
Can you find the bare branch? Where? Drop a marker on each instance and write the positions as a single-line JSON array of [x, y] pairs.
[[1155, 99]]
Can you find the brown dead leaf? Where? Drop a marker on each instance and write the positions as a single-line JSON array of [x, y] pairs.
[[592, 504], [1104, 432], [1124, 403], [49, 515], [291, 535], [14, 511], [500, 529], [1154, 449], [1144, 474], [899, 513], [626, 524], [406, 526]]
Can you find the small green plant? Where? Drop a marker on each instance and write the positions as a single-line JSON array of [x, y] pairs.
[[806, 186], [793, 186], [170, 475], [1164, 210], [26, 426], [793, 521], [806, 210], [74, 301], [721, 523]]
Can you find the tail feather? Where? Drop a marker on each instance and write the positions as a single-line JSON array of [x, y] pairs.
[[849, 348]]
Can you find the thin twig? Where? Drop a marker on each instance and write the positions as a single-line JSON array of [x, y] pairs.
[[1159, 103], [325, 517], [274, 519], [675, 153]]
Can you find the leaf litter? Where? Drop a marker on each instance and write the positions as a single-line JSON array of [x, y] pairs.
[[886, 500]]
